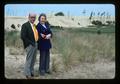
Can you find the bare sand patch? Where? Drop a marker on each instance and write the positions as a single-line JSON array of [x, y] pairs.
[[102, 69]]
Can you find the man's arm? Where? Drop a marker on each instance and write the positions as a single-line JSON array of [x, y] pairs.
[[23, 32], [23, 35]]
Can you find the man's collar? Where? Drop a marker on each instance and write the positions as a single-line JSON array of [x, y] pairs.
[[30, 23]]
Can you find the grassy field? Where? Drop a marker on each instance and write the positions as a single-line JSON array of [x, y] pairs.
[[76, 45], [84, 45], [102, 29]]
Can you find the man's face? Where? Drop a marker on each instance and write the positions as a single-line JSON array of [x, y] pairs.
[[32, 18]]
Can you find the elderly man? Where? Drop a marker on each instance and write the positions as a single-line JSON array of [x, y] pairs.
[[29, 35]]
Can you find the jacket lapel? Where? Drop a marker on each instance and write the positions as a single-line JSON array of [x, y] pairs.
[[44, 27]]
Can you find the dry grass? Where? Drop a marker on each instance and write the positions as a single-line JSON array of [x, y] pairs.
[[12, 40], [77, 47], [73, 47]]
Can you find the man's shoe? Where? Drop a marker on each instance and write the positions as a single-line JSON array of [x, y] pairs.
[[32, 75], [28, 77]]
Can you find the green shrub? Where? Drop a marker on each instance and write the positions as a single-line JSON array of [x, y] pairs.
[[12, 38]]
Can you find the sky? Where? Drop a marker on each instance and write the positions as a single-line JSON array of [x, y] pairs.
[[67, 9]]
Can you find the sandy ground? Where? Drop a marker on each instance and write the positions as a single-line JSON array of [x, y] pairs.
[[103, 69]]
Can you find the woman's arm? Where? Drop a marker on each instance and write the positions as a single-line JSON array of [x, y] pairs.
[[41, 35], [49, 35]]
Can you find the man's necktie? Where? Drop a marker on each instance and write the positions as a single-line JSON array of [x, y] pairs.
[[35, 32]]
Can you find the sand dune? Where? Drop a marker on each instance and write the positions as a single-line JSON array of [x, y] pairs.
[[63, 21]]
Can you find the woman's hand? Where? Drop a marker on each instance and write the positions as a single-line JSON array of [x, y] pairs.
[[48, 36], [43, 35]]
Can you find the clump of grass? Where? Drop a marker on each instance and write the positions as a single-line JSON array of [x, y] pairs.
[[14, 42], [12, 38], [57, 64], [16, 51]]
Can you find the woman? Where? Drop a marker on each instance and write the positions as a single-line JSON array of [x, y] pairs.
[[44, 44]]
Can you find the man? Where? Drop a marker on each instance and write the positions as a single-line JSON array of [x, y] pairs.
[[29, 35]]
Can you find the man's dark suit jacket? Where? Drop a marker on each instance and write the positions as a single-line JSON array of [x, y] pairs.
[[27, 35]]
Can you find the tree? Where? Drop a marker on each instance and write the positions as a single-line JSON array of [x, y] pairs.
[[59, 14], [91, 15], [84, 11]]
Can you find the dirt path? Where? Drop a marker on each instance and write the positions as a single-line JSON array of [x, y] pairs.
[[102, 69]]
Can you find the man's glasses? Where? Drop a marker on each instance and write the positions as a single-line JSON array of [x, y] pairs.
[[32, 17]]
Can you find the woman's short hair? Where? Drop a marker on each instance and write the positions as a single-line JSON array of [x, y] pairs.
[[42, 14]]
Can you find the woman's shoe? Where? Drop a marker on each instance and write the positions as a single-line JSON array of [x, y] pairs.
[[42, 74], [48, 72]]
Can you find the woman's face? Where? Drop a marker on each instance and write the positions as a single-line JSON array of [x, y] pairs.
[[42, 19]]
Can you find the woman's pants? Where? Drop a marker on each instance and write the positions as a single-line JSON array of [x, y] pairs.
[[44, 61]]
